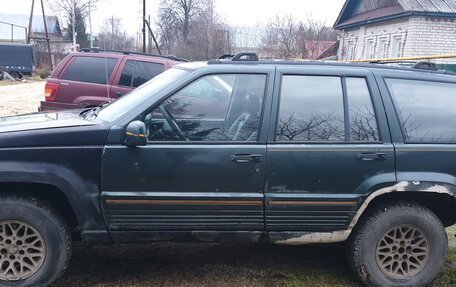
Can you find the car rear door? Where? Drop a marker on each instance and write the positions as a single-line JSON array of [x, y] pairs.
[[328, 147], [133, 73]]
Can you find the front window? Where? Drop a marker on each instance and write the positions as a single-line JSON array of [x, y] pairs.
[[224, 107], [135, 98]]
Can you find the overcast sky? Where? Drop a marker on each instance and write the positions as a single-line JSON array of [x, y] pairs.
[[235, 12]]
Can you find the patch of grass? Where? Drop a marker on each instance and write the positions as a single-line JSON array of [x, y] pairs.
[[451, 231], [318, 278], [446, 278], [452, 255], [221, 265]]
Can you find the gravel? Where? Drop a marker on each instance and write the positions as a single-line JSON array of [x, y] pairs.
[[20, 98]]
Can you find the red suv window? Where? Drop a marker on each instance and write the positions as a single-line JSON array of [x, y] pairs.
[[136, 73], [90, 70]]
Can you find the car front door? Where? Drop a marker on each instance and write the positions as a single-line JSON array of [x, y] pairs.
[[203, 166], [329, 146]]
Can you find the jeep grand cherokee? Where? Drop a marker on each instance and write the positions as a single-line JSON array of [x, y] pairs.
[[281, 151]]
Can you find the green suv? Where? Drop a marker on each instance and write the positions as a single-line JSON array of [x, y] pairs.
[[240, 150]]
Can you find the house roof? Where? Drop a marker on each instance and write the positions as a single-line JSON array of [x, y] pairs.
[[315, 49], [53, 25], [359, 12]]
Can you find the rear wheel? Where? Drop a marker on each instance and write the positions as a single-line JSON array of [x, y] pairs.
[[35, 244], [400, 245]]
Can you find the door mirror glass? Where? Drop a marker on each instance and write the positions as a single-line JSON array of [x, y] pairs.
[[135, 135]]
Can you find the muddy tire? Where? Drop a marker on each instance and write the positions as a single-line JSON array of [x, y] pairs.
[[402, 244], [35, 243]]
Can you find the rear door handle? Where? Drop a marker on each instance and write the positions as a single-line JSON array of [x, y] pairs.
[[372, 156], [245, 158]]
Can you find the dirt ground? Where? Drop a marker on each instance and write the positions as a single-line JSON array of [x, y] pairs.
[[208, 265], [20, 98], [200, 265]]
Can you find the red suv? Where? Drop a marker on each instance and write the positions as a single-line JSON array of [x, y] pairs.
[[92, 77]]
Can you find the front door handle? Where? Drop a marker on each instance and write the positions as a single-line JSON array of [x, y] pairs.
[[372, 156], [245, 158]]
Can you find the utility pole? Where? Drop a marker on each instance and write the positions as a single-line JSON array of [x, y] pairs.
[[29, 34], [112, 32], [149, 42], [47, 36], [151, 34], [74, 26], [144, 26], [90, 23]]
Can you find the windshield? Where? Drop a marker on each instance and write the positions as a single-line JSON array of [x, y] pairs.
[[125, 104]]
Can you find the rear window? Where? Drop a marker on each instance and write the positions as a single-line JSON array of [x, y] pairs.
[[426, 110], [90, 70], [136, 73], [311, 114], [314, 109]]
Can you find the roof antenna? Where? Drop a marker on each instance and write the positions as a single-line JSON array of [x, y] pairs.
[[106, 70]]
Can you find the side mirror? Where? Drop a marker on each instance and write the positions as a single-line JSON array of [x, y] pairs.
[[135, 135]]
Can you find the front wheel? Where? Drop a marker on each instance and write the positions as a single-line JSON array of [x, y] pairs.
[[35, 244], [399, 245]]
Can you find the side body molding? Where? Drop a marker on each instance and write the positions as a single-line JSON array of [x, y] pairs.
[[447, 186]]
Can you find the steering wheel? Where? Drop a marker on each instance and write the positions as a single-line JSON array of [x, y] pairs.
[[172, 122]]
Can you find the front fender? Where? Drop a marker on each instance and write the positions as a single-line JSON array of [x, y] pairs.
[[83, 195]]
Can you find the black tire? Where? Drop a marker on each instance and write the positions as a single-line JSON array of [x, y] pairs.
[[366, 260], [50, 226]]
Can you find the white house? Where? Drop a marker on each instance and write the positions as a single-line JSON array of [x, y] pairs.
[[377, 29]]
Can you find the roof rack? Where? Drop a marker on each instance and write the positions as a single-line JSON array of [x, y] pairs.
[[96, 50], [239, 57], [252, 58], [422, 65]]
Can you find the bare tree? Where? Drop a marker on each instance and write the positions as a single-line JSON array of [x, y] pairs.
[[65, 9], [58, 6], [279, 39], [285, 37], [112, 36], [178, 14], [192, 29]]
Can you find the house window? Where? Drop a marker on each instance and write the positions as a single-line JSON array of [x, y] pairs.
[[351, 51], [398, 45], [383, 48], [369, 52]]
